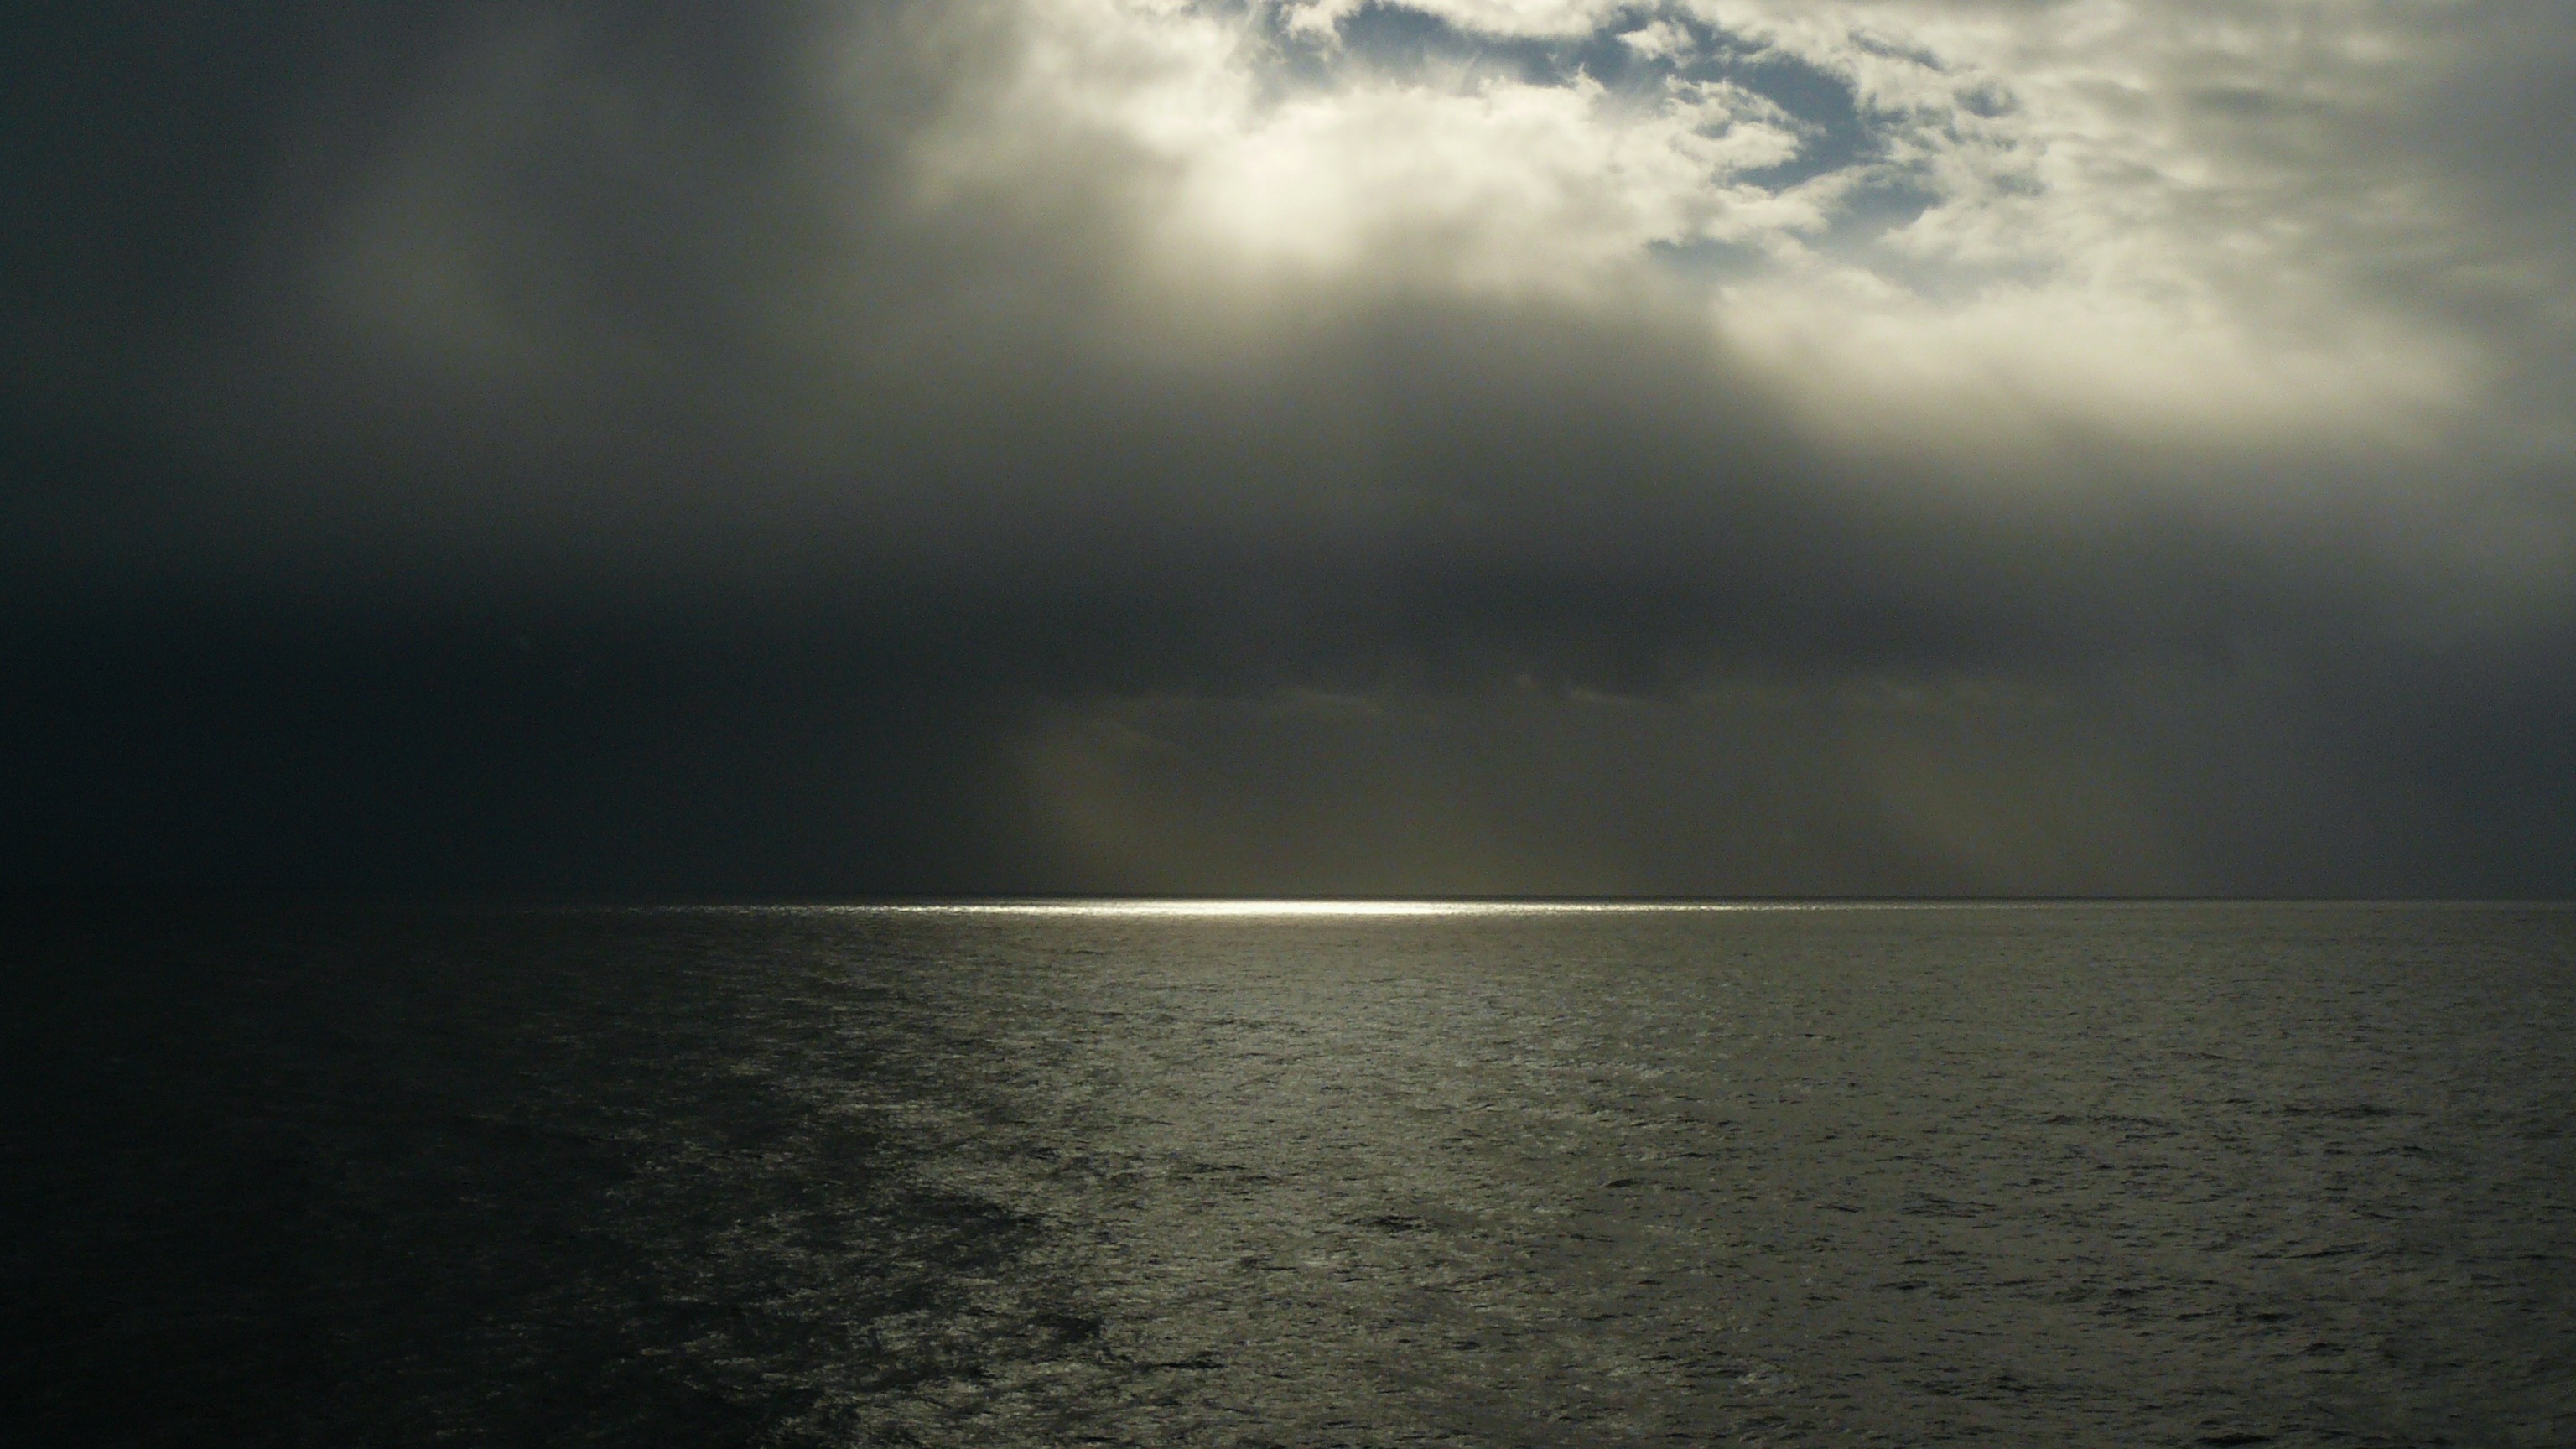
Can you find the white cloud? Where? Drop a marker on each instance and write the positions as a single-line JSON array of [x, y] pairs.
[[2154, 217], [1470, 178], [2209, 252], [1492, 17]]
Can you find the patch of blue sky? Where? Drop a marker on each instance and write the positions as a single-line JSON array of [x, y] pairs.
[[1836, 131], [1863, 166]]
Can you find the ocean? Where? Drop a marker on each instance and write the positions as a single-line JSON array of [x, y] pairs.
[[2047, 1174]]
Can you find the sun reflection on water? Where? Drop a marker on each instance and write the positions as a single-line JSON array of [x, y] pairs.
[[1337, 908]]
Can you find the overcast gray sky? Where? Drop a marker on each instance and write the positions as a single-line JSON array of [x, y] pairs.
[[1500, 446]]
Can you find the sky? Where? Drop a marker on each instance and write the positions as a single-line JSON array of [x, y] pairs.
[[1719, 447]]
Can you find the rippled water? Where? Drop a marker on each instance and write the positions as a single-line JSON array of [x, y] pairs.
[[2052, 1175]]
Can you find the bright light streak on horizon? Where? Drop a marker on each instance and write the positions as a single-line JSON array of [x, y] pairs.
[[1219, 908], [1335, 908], [1183, 909]]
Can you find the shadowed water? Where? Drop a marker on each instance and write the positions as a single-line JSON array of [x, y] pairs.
[[2068, 1175]]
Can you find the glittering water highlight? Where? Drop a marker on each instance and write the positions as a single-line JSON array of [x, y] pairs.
[[1379, 1173]]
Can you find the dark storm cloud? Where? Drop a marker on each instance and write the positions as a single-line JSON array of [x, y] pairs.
[[798, 449]]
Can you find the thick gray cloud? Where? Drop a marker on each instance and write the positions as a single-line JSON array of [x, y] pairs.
[[1102, 444]]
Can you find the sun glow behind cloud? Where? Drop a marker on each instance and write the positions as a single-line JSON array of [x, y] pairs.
[[1901, 213], [1448, 448]]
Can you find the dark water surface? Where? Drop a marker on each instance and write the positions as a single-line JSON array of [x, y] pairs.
[[2145, 1175]]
